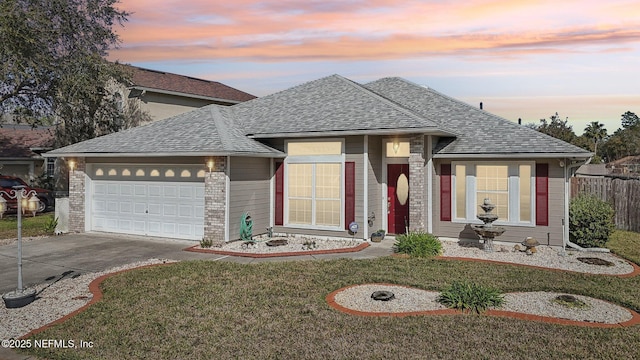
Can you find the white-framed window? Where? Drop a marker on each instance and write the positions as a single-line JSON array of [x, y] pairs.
[[50, 167], [314, 184], [509, 185]]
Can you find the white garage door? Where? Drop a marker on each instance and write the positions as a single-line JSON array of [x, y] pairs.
[[163, 200], [163, 209]]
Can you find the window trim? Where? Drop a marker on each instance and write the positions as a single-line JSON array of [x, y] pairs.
[[313, 160], [472, 209]]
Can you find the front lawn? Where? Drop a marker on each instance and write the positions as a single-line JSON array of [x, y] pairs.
[[31, 226], [224, 310], [625, 244]]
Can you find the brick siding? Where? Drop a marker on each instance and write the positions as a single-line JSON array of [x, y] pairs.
[[215, 187], [417, 184], [76, 196]]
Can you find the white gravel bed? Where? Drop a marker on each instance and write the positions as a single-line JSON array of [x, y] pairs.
[[406, 299], [55, 301], [535, 303], [541, 303], [296, 243], [545, 257]]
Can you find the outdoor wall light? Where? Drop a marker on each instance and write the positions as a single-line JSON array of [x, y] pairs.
[[396, 146], [72, 164], [210, 164]]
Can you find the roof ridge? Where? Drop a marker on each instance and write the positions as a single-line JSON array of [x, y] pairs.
[[497, 117], [395, 105]]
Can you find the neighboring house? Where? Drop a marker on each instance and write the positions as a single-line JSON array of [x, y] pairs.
[[162, 94], [592, 170], [21, 147], [627, 166], [311, 159]]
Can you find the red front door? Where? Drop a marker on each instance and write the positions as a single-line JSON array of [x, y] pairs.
[[398, 198]]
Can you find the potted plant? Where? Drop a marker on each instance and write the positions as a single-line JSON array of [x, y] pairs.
[[378, 236]]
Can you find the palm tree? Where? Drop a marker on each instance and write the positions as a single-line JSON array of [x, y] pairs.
[[596, 132]]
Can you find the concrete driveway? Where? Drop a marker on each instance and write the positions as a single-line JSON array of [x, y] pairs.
[[46, 259], [43, 258]]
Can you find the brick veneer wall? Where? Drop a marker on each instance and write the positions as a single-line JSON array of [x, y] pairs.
[[76, 196], [215, 187], [417, 184]]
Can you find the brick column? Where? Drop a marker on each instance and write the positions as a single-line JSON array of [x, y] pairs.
[[417, 184], [215, 187], [76, 196]]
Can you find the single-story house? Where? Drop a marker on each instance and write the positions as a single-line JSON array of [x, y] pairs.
[[311, 159]]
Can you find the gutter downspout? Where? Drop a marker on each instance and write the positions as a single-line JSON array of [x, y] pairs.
[[568, 169]]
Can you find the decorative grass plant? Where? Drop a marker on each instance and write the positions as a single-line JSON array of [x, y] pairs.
[[418, 244], [470, 297]]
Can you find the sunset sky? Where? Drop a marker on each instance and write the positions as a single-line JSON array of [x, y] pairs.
[[522, 59]]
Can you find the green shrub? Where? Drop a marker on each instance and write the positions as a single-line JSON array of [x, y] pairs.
[[50, 225], [470, 297], [418, 244], [590, 221], [206, 243]]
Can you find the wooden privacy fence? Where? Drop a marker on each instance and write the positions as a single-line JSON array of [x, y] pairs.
[[623, 194]]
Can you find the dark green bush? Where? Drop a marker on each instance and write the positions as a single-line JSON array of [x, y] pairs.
[[418, 244], [470, 297], [590, 221]]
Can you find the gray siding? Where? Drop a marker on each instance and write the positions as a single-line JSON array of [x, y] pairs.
[[551, 233], [249, 192]]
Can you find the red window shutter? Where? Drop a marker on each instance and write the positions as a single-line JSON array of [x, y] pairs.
[[279, 206], [445, 192], [349, 193], [542, 194]]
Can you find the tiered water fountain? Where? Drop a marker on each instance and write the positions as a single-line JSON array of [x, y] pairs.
[[487, 231]]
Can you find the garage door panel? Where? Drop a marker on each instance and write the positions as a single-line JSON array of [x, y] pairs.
[[99, 206], [126, 190], [139, 226], [149, 208], [154, 191], [169, 210], [113, 189], [170, 191], [100, 189], [112, 206], [198, 212], [126, 208], [140, 190], [155, 209], [140, 208], [169, 228], [186, 211]]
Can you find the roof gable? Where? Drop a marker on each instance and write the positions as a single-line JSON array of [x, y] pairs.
[[210, 130], [477, 131], [330, 104]]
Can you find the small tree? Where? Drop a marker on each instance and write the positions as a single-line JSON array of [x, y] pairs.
[[559, 129], [590, 221]]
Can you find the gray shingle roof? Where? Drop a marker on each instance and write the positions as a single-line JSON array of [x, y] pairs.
[[478, 132], [210, 130], [330, 104]]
